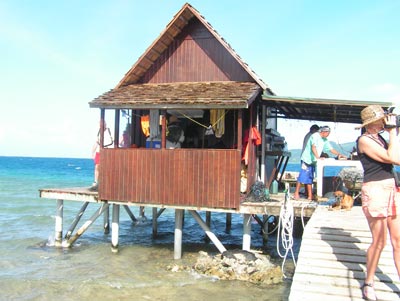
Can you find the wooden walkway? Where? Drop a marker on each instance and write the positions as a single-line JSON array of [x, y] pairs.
[[301, 208], [331, 261]]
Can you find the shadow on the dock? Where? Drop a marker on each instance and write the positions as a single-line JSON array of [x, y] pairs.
[[345, 247]]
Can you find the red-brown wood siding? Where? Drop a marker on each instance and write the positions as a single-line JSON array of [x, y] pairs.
[[196, 55], [186, 177]]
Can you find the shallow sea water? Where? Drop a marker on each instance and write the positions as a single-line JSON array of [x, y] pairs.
[[31, 268]]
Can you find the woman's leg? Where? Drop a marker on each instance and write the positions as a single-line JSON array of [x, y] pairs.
[[394, 231], [378, 227]]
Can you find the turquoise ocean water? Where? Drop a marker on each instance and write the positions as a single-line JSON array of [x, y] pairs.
[[31, 268]]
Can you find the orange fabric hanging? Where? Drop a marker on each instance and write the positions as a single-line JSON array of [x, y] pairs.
[[256, 136], [145, 124], [255, 139]]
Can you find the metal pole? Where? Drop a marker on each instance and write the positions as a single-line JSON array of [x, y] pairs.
[[208, 223], [246, 232], [59, 223], [154, 219], [86, 225], [115, 228], [133, 218], [141, 212], [178, 233], [76, 220], [263, 138], [106, 221], [206, 229], [160, 212], [228, 219]]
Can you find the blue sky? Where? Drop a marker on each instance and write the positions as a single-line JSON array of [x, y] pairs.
[[59, 55]]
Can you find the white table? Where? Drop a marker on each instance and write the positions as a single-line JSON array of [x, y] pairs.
[[322, 163]]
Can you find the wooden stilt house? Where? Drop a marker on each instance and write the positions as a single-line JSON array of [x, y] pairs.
[[190, 82], [189, 72]]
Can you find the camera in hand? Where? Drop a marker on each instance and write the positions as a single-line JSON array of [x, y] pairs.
[[394, 125], [396, 117]]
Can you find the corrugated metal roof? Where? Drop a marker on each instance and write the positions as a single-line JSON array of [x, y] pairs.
[[198, 95], [175, 27], [319, 109]]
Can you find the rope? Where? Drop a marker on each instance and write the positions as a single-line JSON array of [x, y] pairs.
[[286, 234], [204, 126]]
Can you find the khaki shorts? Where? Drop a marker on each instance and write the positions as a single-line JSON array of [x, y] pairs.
[[380, 198]]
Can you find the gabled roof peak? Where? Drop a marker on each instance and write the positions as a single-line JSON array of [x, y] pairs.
[[167, 36]]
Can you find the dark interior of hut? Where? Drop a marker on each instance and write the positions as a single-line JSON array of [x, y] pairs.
[[215, 129]]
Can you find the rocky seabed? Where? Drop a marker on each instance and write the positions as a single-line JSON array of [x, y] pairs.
[[236, 265]]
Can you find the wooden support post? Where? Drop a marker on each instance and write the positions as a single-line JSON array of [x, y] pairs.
[[76, 220], [206, 229], [116, 127], [246, 232], [59, 223], [178, 233], [86, 225], [106, 222], [154, 219], [228, 226], [115, 228], [133, 218]]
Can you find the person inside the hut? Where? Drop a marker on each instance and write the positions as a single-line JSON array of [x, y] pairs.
[[316, 144], [175, 133], [108, 142], [125, 140], [379, 192]]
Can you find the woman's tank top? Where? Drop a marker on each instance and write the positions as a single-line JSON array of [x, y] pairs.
[[374, 170]]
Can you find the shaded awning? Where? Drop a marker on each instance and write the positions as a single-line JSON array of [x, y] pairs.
[[319, 109], [197, 95]]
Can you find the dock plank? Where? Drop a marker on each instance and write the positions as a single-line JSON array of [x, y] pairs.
[[331, 261]]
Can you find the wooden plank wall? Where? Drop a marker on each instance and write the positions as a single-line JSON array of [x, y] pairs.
[[196, 55], [184, 177]]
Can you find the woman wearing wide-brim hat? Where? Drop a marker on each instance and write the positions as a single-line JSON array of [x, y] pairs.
[[380, 199]]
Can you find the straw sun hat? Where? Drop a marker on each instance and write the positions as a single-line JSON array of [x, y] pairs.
[[371, 114]]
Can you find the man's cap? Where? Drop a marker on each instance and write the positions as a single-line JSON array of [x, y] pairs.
[[324, 128]]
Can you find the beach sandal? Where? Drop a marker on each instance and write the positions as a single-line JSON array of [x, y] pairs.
[[368, 292]]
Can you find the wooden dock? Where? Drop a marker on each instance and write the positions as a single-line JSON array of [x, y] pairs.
[[83, 194], [331, 261]]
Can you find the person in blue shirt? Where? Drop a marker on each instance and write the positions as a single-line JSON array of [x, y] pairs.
[[315, 146], [313, 129]]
